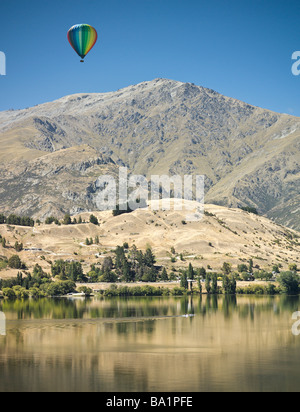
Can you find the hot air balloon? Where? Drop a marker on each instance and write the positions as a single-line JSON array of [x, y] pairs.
[[82, 38]]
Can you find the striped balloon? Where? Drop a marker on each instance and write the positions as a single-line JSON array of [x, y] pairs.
[[82, 38]]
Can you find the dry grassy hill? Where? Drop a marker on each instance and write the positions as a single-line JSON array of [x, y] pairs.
[[223, 234]]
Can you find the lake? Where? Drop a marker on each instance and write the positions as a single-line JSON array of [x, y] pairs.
[[242, 343]]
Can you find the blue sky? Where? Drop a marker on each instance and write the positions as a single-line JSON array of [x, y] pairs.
[[239, 48]]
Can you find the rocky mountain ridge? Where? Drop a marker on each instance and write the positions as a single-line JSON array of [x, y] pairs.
[[249, 156]]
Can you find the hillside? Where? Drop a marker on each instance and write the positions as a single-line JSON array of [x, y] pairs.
[[223, 234], [52, 154]]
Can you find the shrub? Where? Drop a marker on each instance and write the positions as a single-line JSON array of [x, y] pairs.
[[258, 290], [36, 293], [21, 293], [87, 291], [242, 268], [250, 209], [3, 264], [9, 293], [58, 288], [18, 246], [14, 262], [178, 291], [289, 282]]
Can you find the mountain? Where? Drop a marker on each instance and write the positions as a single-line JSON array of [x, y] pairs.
[[52, 154]]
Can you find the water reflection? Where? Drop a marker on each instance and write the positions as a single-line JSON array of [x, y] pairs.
[[64, 308], [232, 343]]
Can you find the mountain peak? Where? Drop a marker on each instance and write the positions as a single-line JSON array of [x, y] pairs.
[[249, 156]]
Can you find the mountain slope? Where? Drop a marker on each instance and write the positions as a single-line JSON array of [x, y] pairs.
[[223, 234], [250, 156]]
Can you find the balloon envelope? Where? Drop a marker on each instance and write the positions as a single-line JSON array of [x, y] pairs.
[[82, 38]]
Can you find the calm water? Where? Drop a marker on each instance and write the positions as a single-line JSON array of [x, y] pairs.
[[145, 345]]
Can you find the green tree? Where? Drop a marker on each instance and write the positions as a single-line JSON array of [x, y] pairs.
[[207, 284], [58, 288], [266, 275], [67, 219], [289, 282], [242, 268], [35, 293], [21, 293], [245, 276], [199, 285], [191, 272], [19, 220], [68, 270], [214, 286], [127, 274], [94, 220], [229, 285], [250, 209], [226, 268], [50, 220], [74, 271], [202, 272], [184, 281], [149, 275], [149, 258], [233, 285], [251, 265], [107, 264], [164, 275], [120, 256], [109, 277]]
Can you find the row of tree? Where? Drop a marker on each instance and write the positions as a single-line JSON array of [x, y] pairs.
[[67, 220], [36, 284], [16, 220]]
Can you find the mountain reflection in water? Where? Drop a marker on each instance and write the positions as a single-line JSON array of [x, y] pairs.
[[230, 343]]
